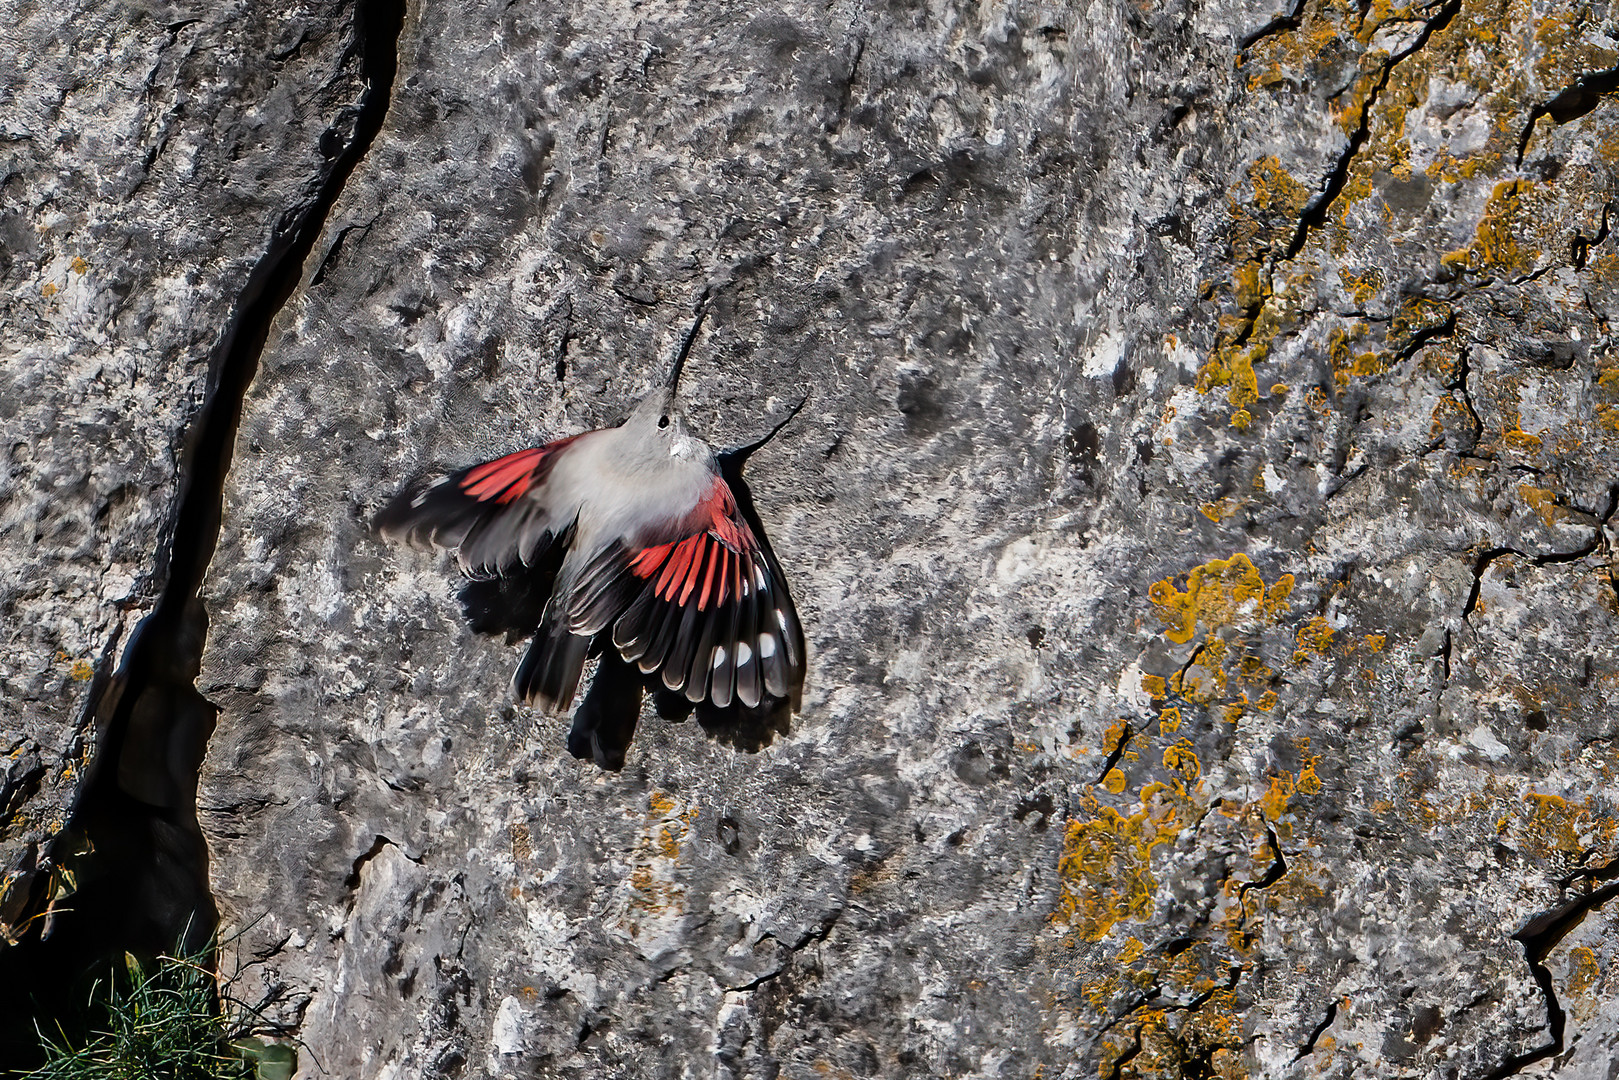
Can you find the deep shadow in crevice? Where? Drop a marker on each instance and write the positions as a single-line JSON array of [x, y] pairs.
[[132, 849]]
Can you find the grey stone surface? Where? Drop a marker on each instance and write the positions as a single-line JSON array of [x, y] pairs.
[[1201, 521], [146, 153]]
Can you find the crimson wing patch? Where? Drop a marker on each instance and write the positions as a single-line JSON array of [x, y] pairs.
[[705, 609], [481, 512]]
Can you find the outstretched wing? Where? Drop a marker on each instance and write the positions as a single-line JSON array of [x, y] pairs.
[[493, 515], [699, 603]]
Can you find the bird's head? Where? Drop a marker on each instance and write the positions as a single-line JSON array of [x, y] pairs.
[[658, 415]]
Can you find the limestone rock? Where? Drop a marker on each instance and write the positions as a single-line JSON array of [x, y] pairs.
[[1202, 522], [148, 153]]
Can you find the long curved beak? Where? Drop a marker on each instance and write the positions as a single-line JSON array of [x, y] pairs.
[[685, 346]]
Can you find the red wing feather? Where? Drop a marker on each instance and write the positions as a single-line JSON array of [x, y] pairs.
[[481, 512], [691, 608], [504, 479]]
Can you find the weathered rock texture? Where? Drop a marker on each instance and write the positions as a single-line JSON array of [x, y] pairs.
[[1201, 523], [148, 157]]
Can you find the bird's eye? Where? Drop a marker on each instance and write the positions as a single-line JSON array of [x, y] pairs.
[[663, 421]]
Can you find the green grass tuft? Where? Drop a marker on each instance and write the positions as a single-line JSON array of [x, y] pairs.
[[160, 1022]]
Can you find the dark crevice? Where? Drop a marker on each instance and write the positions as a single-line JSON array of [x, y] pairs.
[[1315, 212], [1428, 333], [1273, 873], [1606, 872], [1117, 752], [1315, 1034], [815, 937], [1280, 24], [132, 841], [1146, 997], [1125, 1058], [1579, 249], [1539, 937], [1481, 564], [335, 248], [561, 357], [1549, 558], [1570, 104], [352, 881]]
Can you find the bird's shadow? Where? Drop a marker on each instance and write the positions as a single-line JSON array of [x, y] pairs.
[[512, 606]]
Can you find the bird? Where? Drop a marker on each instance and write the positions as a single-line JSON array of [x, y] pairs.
[[636, 543]]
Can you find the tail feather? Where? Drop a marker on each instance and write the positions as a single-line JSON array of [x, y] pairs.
[[604, 724], [549, 674]]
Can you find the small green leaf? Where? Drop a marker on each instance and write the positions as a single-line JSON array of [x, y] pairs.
[[270, 1061]]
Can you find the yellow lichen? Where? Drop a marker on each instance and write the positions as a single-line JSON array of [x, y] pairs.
[[1583, 969], [1218, 593], [1106, 863], [1543, 502]]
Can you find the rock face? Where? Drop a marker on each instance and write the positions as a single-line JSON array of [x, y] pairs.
[[147, 158], [1201, 521]]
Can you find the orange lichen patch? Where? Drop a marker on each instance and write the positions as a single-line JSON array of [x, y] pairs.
[[1153, 686], [1273, 804], [1266, 219], [1169, 720], [655, 892], [1181, 758], [1415, 317], [1362, 286], [1584, 970], [1114, 738], [78, 265], [1376, 642], [1114, 781], [81, 671], [1219, 593], [1503, 240], [1551, 826], [1315, 636], [1543, 502], [1218, 511], [1232, 367], [49, 290], [1521, 441], [1566, 47], [1283, 787], [1106, 864], [1204, 679]]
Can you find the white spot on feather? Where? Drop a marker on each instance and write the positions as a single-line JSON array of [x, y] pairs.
[[719, 657], [743, 653], [767, 646]]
